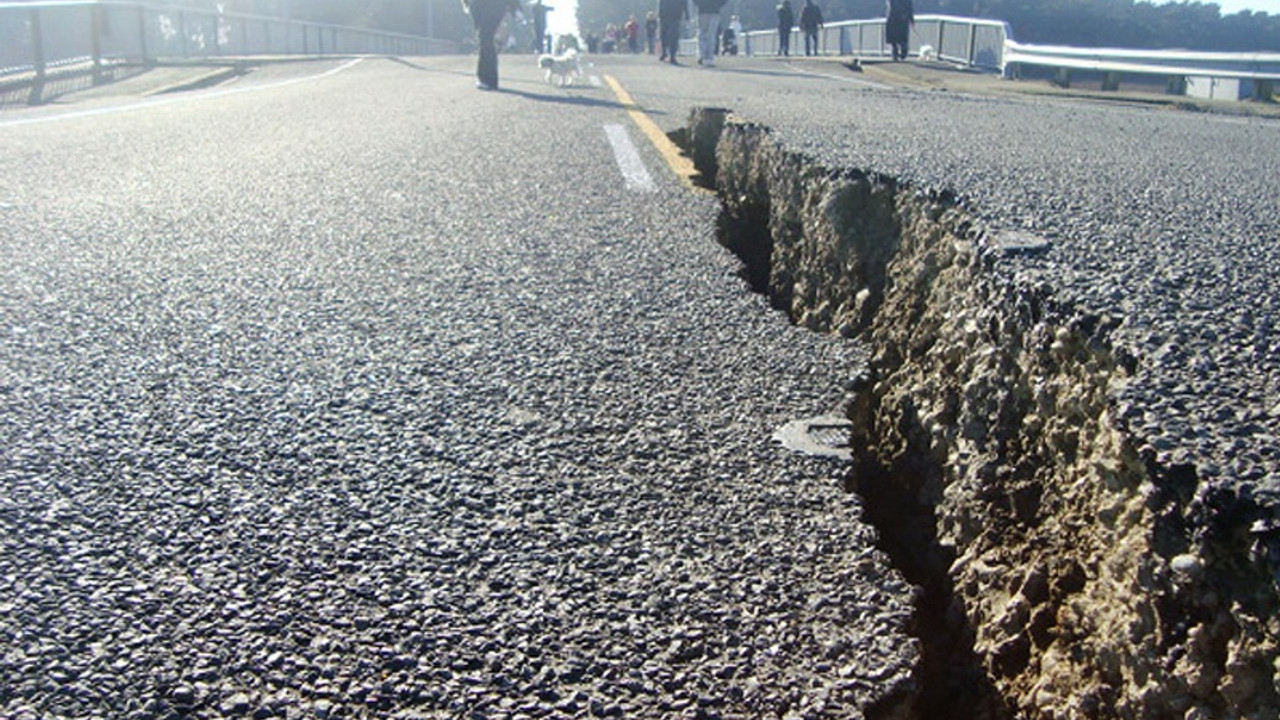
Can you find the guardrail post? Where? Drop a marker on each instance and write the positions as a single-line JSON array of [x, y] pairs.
[[1111, 82], [942, 27], [37, 51], [1062, 78]]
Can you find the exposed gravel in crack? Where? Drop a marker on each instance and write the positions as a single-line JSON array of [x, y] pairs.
[[1164, 221], [989, 403]]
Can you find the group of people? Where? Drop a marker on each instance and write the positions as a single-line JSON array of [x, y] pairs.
[[810, 24], [664, 29], [615, 37]]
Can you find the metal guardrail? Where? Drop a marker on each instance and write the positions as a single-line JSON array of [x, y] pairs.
[[1240, 66], [970, 42], [989, 45], [38, 37]]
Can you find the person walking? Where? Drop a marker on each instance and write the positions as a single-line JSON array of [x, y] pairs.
[[897, 27], [671, 15], [786, 21], [810, 24], [540, 41], [708, 30], [632, 30], [487, 16], [650, 31]]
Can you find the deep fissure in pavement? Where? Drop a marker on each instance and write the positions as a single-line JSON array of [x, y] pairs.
[[1062, 571], [950, 681]]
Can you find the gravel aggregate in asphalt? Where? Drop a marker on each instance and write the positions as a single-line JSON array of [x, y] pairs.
[[322, 402]]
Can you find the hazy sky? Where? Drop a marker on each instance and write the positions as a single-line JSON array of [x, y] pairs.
[[1271, 7]]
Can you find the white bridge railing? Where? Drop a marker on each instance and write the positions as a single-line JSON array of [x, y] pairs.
[[989, 45], [1242, 66], [970, 42], [36, 37]]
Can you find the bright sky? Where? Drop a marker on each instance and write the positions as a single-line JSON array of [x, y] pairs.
[[565, 18], [1229, 7]]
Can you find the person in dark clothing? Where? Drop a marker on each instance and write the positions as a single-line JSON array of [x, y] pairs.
[[650, 32], [487, 16], [897, 27], [810, 24], [671, 15], [786, 21], [540, 42]]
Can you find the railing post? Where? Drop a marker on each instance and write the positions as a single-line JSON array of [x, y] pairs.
[[142, 33], [973, 44], [95, 42], [937, 52], [37, 51]]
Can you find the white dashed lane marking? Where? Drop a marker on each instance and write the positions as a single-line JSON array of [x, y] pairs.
[[633, 170]]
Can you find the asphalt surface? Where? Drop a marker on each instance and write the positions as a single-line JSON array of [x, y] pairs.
[[1167, 221], [348, 390], [355, 391]]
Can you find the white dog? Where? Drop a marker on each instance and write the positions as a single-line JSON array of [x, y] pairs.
[[927, 53], [562, 70]]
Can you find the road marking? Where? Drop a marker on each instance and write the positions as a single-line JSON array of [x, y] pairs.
[[839, 78], [628, 157], [158, 102], [679, 163]]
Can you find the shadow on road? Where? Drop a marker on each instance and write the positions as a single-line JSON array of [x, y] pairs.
[[424, 68], [565, 99]]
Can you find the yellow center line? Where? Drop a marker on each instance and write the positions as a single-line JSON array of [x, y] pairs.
[[679, 163]]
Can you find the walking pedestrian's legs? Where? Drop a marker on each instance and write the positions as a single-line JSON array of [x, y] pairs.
[[708, 35], [670, 31], [487, 65]]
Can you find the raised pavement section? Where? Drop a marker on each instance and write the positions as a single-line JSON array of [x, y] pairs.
[[1075, 389]]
